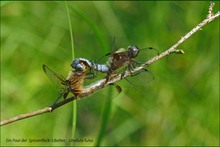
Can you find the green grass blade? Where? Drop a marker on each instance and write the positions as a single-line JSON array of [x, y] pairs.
[[99, 35], [74, 102], [105, 117]]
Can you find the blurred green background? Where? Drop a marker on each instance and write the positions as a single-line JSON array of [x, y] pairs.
[[179, 107]]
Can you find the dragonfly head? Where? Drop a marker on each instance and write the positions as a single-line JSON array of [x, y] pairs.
[[80, 64], [133, 51]]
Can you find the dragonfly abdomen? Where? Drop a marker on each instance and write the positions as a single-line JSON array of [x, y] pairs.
[[102, 68], [87, 90]]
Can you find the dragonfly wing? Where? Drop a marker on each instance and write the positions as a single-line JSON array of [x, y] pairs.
[[57, 79]]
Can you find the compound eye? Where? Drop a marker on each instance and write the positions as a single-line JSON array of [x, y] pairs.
[[133, 51], [80, 67], [75, 63]]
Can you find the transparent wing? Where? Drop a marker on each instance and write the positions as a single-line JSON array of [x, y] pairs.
[[57, 79], [140, 81], [146, 53]]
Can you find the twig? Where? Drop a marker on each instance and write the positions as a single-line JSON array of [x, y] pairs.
[[103, 83], [23, 116]]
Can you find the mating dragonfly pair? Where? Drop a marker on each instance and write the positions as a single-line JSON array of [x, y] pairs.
[[83, 68]]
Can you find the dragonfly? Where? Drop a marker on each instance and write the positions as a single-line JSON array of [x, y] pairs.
[[121, 59], [74, 83]]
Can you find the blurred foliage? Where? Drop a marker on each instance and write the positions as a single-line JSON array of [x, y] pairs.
[[179, 107]]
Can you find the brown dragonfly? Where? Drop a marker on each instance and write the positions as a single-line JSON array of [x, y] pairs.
[[74, 83]]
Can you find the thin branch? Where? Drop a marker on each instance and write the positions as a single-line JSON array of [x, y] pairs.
[[103, 83], [23, 116]]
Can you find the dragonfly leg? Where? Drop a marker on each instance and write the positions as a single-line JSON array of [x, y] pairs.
[[126, 68], [59, 96], [63, 93], [91, 74], [130, 67]]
